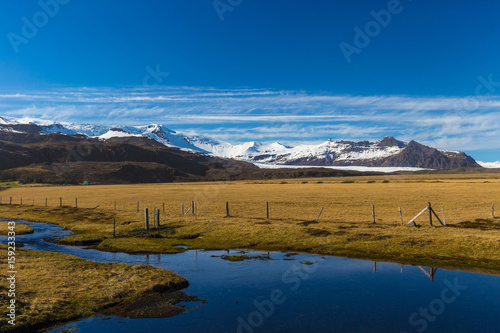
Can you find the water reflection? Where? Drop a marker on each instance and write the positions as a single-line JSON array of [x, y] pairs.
[[430, 272]]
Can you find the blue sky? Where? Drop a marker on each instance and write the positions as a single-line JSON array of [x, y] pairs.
[[267, 70]]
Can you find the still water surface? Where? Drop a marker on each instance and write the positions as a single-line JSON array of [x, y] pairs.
[[285, 292]]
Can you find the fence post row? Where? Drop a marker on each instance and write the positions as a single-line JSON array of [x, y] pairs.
[[194, 211]]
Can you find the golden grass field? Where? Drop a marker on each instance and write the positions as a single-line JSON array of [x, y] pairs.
[[470, 242], [462, 197], [345, 228]]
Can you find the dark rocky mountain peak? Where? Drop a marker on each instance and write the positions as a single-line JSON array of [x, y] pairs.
[[390, 141]]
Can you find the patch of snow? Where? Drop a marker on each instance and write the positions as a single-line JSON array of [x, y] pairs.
[[489, 165], [347, 168], [7, 120], [9, 129], [116, 134], [449, 152]]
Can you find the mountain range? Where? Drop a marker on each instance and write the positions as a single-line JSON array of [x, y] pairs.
[[388, 152]]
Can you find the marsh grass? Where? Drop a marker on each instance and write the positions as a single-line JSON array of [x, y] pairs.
[[53, 288], [20, 229]]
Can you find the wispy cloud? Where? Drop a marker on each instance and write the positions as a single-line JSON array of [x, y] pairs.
[[235, 115]]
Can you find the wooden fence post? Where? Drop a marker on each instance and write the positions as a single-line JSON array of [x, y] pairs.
[[60, 201], [163, 208], [10, 201], [195, 210], [146, 218], [429, 208], [444, 218], [267, 209], [373, 214], [182, 209], [137, 206], [76, 202], [158, 219], [33, 202], [493, 209], [192, 207], [321, 211], [227, 209], [401, 215], [114, 227]]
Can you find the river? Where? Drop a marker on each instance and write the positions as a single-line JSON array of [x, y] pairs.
[[288, 292]]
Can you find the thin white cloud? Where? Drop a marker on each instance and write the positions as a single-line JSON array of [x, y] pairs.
[[245, 114]]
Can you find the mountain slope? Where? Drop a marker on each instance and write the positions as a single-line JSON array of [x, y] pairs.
[[58, 158]]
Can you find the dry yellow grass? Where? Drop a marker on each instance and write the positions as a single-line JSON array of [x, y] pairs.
[[463, 199], [345, 228], [53, 288]]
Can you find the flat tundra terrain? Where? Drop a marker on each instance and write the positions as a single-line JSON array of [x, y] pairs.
[[343, 199], [345, 227]]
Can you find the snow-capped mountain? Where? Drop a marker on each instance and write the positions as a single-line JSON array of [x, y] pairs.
[[387, 152], [333, 152]]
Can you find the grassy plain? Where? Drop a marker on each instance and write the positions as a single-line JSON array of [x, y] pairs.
[[470, 242]]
